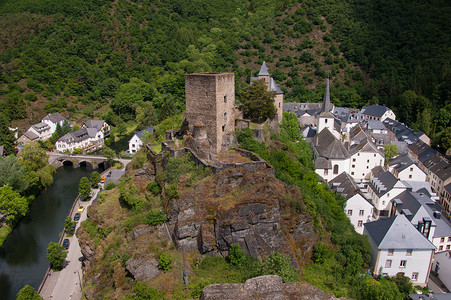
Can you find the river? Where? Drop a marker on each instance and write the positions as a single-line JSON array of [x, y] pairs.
[[23, 255]]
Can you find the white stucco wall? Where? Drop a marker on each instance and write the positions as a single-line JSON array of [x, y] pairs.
[[413, 173], [442, 263], [362, 163], [356, 204], [134, 144]]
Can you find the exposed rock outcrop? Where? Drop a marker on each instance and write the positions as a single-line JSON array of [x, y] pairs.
[[143, 268], [252, 209], [268, 287]]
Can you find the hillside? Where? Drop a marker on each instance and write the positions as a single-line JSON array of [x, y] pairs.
[[79, 56]]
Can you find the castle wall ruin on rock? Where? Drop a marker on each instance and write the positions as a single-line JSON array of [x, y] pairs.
[[210, 102]]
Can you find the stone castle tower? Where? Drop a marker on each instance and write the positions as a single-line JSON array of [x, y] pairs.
[[210, 101], [271, 85]]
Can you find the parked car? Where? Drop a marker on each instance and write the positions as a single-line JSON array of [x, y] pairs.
[[103, 179], [81, 208], [77, 216], [66, 244]]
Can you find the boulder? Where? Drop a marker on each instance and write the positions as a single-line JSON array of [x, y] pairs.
[[268, 287], [143, 268]]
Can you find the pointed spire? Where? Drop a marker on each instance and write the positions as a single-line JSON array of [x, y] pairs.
[[326, 101], [263, 70]]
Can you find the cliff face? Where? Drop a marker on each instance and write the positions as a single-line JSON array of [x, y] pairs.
[[252, 209]]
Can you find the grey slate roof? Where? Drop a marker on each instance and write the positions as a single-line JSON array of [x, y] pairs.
[[31, 135], [396, 233], [442, 224], [345, 186], [79, 135], [263, 70], [448, 188], [383, 183], [97, 124], [41, 126], [54, 118], [401, 162], [440, 166], [377, 170], [273, 86], [309, 132], [327, 145], [365, 146], [446, 296], [375, 125], [406, 201], [140, 134], [375, 110]]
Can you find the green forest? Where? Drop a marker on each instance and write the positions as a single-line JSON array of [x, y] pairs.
[[105, 59]]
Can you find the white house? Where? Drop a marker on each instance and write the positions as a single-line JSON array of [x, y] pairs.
[[42, 130], [358, 209], [136, 141], [99, 125], [87, 139], [405, 167], [378, 112], [398, 247], [442, 267], [364, 157], [53, 119], [383, 188]]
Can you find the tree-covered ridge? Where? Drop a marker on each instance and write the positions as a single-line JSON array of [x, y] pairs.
[[79, 55]]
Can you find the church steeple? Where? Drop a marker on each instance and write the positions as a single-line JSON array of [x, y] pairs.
[[263, 70], [326, 101]]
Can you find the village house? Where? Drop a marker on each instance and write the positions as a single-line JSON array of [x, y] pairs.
[[27, 137], [136, 141], [398, 247], [42, 130], [86, 139], [53, 120], [358, 209], [383, 189], [99, 125], [445, 199], [377, 112], [405, 167]]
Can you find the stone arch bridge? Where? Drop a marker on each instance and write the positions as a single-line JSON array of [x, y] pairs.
[[94, 161]]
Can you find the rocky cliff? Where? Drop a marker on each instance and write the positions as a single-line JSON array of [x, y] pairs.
[[252, 209]]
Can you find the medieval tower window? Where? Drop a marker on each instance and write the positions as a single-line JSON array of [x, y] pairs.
[[225, 116], [225, 99], [223, 128]]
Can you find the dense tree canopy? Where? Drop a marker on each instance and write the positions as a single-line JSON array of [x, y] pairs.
[[12, 204], [258, 103]]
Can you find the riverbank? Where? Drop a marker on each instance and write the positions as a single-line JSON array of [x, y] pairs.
[[23, 256]]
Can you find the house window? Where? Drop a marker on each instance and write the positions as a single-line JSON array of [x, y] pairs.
[[410, 176], [403, 263], [383, 202], [325, 121], [349, 212], [449, 239], [353, 159], [336, 169], [353, 166], [359, 223], [388, 263], [326, 172], [447, 247], [409, 252], [225, 99], [440, 248], [411, 169], [367, 160], [391, 251], [442, 240], [352, 173], [414, 276], [361, 212], [374, 155]]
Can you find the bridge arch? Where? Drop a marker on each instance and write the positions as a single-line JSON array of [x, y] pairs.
[[86, 163], [67, 163]]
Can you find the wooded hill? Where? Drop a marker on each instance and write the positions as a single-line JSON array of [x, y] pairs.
[[79, 56]]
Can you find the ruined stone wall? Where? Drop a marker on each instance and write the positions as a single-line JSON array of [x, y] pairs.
[[210, 100]]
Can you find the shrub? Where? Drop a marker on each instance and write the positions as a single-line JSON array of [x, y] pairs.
[[154, 188], [278, 264], [236, 255], [31, 97], [164, 262], [143, 291], [110, 186], [155, 218]]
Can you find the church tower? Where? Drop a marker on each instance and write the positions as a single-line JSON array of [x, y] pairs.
[[325, 118], [271, 85]]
